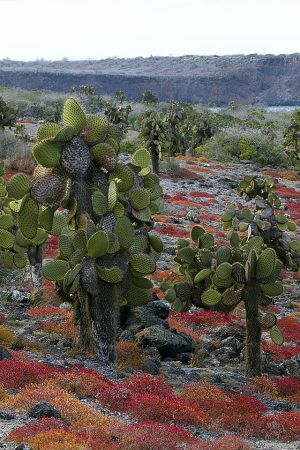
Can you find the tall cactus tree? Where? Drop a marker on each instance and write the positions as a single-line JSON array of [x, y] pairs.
[[174, 118], [153, 133], [221, 277], [105, 245]]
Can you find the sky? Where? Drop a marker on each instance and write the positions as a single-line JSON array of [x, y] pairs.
[[96, 29]]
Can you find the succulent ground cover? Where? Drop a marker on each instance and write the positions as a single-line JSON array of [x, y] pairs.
[[207, 404]]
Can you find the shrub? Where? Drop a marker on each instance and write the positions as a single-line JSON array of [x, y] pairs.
[[6, 336], [10, 146], [129, 355]]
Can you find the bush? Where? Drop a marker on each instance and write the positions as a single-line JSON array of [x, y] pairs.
[[234, 144], [10, 146]]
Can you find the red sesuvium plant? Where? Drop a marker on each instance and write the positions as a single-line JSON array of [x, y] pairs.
[[248, 270]]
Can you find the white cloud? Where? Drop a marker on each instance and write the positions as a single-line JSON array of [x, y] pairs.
[[97, 29]]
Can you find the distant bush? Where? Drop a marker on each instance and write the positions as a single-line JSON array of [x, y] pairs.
[[235, 144], [128, 146], [10, 146]]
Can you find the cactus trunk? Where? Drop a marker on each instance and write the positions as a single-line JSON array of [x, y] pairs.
[[253, 333], [96, 319], [154, 159]]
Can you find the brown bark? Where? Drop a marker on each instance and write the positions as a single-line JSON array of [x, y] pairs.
[[253, 331]]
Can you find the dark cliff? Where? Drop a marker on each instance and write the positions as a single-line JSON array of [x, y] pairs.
[[249, 79]]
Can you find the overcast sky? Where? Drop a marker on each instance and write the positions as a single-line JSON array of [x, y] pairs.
[[80, 29]]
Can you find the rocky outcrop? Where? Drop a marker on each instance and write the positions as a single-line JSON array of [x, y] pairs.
[[215, 80]]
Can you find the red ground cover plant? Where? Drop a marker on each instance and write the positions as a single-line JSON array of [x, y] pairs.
[[45, 311], [290, 328], [183, 200], [280, 353], [172, 230], [204, 318], [129, 355], [283, 191], [293, 208], [143, 396], [285, 174], [181, 327], [64, 328], [203, 195], [17, 374], [147, 434]]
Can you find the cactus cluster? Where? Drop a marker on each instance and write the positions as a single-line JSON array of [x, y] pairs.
[[267, 219], [106, 249], [152, 132], [246, 270]]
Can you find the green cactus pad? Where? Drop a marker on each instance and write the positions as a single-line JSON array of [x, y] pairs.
[[46, 218], [40, 237], [143, 215], [60, 224], [139, 244], [99, 203], [151, 180], [65, 246], [186, 254], [295, 245], [18, 186], [206, 257], [272, 289], [228, 216], [111, 274], [221, 284], [20, 260], [247, 214], [105, 155], [211, 297], [202, 275], [291, 226], [224, 271], [55, 270], [265, 263], [156, 243], [232, 296], [136, 296], [255, 243], [46, 153], [95, 129], [65, 135], [6, 221], [180, 306], [142, 263], [170, 295], [123, 176], [28, 217], [98, 244], [124, 230], [196, 232], [73, 115], [8, 259], [142, 283], [114, 245], [267, 320], [140, 198], [141, 158], [119, 209], [206, 240], [7, 239], [223, 254], [277, 335], [243, 226], [112, 195], [47, 131]]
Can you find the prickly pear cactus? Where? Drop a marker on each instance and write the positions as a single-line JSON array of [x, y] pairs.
[[153, 133], [247, 270], [267, 219], [106, 249]]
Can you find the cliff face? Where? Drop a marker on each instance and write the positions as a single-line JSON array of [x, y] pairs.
[[248, 79]]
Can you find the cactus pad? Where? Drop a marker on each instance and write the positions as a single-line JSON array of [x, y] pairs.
[[98, 244], [265, 263], [46, 153], [47, 131], [105, 155], [232, 296], [141, 158], [142, 263], [267, 320], [111, 274], [6, 221], [206, 240], [18, 186], [99, 202], [276, 335], [123, 176], [156, 243], [124, 230], [202, 275], [224, 271], [95, 129], [7, 239], [73, 115], [49, 190], [28, 217], [211, 297], [55, 270], [272, 289], [140, 198], [75, 157]]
